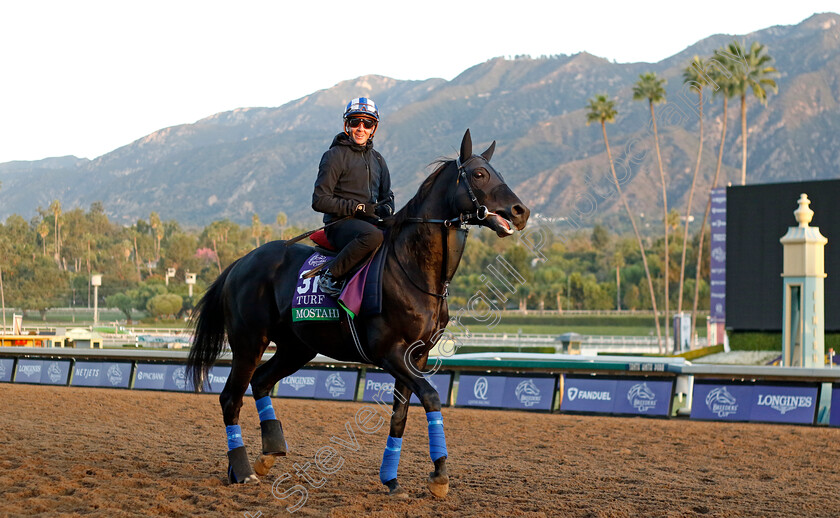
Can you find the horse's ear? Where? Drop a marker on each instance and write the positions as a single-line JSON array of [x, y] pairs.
[[466, 146], [487, 155]]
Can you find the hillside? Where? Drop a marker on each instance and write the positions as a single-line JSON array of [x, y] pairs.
[[264, 160]]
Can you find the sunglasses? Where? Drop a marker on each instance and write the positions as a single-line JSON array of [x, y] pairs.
[[355, 121]]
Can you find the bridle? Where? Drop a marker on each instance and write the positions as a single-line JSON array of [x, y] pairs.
[[459, 223]]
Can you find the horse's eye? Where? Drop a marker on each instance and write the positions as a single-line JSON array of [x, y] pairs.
[[478, 173]]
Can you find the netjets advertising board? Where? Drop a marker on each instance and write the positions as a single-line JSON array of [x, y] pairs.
[[101, 374], [7, 366], [43, 372], [319, 384], [634, 396], [518, 392], [790, 403], [379, 387]]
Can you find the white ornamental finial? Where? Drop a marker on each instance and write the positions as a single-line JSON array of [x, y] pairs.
[[803, 214]]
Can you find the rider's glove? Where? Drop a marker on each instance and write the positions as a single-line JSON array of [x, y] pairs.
[[383, 211], [365, 209]]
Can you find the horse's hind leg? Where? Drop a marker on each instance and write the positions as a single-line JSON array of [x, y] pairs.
[[288, 358], [242, 368]]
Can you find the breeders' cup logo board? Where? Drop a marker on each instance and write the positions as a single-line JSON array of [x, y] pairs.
[[54, 372], [336, 384], [588, 395], [528, 393], [481, 391], [644, 397], [176, 379], [784, 404], [6, 365], [721, 402], [117, 374]]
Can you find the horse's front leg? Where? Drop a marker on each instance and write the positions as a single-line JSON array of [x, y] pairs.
[[393, 447], [438, 479]]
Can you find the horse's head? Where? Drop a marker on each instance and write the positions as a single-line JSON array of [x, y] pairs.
[[482, 196]]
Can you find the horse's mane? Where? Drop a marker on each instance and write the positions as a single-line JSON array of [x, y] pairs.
[[423, 191]]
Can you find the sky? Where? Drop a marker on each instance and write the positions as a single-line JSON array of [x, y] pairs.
[[86, 77]]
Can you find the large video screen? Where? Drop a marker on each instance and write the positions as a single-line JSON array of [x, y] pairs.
[[757, 216]]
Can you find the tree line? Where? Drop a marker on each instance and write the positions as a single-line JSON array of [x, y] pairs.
[[731, 71]]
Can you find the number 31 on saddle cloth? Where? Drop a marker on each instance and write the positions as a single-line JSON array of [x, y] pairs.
[[362, 295]]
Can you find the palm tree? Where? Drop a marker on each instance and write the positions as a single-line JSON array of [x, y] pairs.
[[55, 208], [256, 228], [651, 88], [602, 109], [753, 76], [695, 76], [155, 223], [44, 231], [724, 79]]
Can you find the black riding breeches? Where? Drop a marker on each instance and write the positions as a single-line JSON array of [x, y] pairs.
[[356, 239]]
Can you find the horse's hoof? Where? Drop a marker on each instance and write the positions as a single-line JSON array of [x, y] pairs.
[[263, 464], [250, 479], [397, 492], [439, 485]]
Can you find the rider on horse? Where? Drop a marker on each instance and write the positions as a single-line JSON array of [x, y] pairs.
[[353, 180]]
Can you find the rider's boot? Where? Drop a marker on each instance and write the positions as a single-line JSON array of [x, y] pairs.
[[330, 285]]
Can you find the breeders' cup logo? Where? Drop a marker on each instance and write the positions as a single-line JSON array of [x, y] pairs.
[[318, 260], [115, 375], [718, 254], [527, 393], [480, 388], [298, 382], [54, 372], [784, 404], [641, 397], [335, 384], [720, 402], [178, 378]]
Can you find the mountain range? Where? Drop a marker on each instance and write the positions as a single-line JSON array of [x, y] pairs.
[[264, 160]]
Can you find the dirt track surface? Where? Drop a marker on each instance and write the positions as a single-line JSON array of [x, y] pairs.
[[99, 452]]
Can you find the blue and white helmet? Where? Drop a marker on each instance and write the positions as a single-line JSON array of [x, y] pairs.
[[361, 106]]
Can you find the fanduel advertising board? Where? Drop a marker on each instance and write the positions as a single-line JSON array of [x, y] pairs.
[[7, 366], [381, 385], [216, 379], [765, 403], [101, 374], [42, 372], [517, 392], [617, 396], [319, 384]]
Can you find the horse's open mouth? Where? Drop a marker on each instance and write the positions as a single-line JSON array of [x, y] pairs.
[[499, 224]]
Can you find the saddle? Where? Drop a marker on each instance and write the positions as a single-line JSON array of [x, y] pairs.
[[361, 296]]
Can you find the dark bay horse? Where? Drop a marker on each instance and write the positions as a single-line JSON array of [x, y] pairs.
[[250, 303]]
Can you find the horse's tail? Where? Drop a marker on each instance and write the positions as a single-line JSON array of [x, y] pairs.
[[208, 319]]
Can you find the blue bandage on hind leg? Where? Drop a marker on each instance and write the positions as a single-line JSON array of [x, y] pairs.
[[390, 459], [265, 409], [234, 436], [437, 439]]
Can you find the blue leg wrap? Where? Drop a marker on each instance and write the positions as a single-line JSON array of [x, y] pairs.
[[265, 409], [234, 437], [437, 439], [390, 459]]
